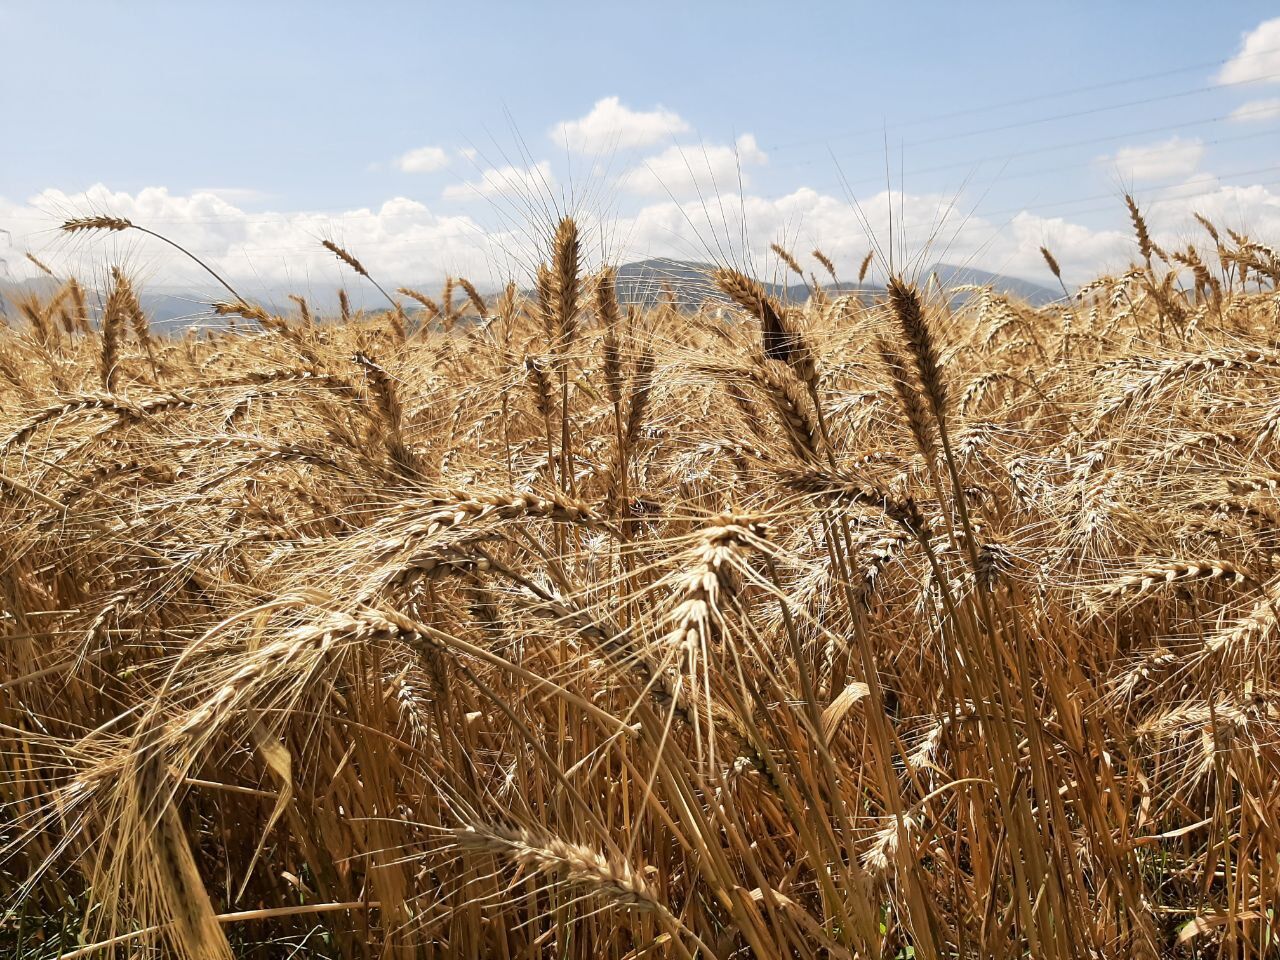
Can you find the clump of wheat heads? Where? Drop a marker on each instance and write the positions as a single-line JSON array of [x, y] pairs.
[[910, 623]]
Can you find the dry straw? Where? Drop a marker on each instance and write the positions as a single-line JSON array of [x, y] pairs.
[[774, 626]]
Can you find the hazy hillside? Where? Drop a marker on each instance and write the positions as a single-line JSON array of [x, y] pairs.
[[640, 283], [644, 281], [953, 276]]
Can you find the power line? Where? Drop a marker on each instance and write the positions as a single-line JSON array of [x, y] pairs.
[[879, 151], [1053, 95], [1157, 187], [285, 218], [1060, 147], [342, 216]]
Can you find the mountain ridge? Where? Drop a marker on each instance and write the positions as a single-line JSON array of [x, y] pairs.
[[640, 283]]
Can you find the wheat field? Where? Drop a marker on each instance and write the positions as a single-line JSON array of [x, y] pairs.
[[926, 624]]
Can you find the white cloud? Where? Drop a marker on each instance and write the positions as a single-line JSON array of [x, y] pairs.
[[1251, 209], [400, 241], [235, 194], [806, 218], [683, 171], [505, 181], [611, 126], [1175, 157], [423, 160], [1081, 252], [1259, 56], [1256, 111]]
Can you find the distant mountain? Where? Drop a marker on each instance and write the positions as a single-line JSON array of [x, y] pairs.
[[180, 310], [949, 275], [166, 309], [645, 281], [641, 283]]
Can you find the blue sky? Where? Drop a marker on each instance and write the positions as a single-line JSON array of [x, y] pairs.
[[435, 138]]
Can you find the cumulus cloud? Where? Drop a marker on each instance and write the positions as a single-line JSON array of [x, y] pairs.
[[401, 240], [612, 126], [422, 160], [505, 181], [235, 194], [927, 228], [1250, 209], [1257, 111], [683, 171], [1175, 157], [1259, 56], [932, 228]]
